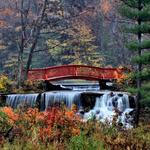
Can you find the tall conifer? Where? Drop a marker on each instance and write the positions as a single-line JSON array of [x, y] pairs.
[[139, 12]]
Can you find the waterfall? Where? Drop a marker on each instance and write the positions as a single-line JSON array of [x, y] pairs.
[[14, 100], [82, 86], [66, 97], [107, 106], [86, 88]]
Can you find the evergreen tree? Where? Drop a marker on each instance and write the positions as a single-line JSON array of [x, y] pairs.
[[139, 12]]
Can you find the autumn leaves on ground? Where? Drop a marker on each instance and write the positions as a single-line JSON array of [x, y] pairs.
[[60, 128]]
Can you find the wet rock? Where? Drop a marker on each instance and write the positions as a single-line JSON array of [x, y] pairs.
[[2, 100], [50, 87], [132, 102]]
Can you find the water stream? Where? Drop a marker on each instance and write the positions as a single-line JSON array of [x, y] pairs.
[[14, 100], [66, 97], [107, 104]]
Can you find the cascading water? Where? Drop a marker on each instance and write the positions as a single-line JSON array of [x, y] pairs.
[[108, 106], [14, 100], [67, 97], [86, 88]]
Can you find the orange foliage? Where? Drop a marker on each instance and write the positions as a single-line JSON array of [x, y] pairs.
[[106, 6], [75, 131], [69, 114], [7, 11], [52, 124], [44, 133], [58, 123], [2, 23], [10, 113], [4, 13]]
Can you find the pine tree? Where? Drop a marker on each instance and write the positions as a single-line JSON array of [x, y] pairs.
[[138, 11]]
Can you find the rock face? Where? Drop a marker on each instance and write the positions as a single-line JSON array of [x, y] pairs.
[[50, 87], [2, 100], [88, 100], [132, 101]]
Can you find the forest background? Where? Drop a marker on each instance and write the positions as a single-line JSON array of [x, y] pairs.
[[44, 33]]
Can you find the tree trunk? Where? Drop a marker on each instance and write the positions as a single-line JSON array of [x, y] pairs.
[[21, 48], [29, 61], [20, 67], [37, 30], [139, 67]]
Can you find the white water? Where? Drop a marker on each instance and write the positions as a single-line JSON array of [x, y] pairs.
[[67, 97], [86, 88], [104, 110], [107, 106], [14, 100]]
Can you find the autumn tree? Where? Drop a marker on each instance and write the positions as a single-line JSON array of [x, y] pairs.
[[105, 23], [5, 43], [76, 47], [29, 19], [99, 16], [139, 12]]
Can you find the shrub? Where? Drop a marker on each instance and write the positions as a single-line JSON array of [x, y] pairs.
[[4, 84], [82, 142], [59, 128]]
